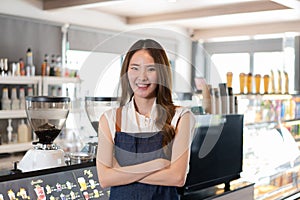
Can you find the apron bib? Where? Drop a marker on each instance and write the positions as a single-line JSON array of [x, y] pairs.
[[131, 149]]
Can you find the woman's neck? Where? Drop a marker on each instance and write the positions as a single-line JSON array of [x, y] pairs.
[[144, 106]]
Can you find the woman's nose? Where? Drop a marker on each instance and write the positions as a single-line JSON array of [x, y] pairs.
[[143, 75]]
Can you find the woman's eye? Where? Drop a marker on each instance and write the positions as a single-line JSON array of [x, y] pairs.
[[151, 69], [133, 68]]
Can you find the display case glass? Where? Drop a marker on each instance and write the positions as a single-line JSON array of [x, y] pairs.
[[270, 153]]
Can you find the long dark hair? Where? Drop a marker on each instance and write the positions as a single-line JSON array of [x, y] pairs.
[[166, 108]]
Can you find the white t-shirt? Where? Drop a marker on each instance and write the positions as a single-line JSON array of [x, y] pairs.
[[133, 122]]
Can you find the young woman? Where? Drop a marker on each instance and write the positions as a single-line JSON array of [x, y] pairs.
[[144, 145]]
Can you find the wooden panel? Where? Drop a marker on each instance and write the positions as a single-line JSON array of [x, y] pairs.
[[55, 4], [244, 7]]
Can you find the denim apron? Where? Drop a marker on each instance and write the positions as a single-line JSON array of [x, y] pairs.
[[130, 150]]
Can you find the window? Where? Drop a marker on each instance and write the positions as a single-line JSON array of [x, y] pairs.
[[231, 62], [258, 56]]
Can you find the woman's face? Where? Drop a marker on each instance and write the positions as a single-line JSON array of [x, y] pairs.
[[142, 74]]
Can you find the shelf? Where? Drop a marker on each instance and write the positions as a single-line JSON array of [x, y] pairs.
[[20, 80], [17, 147], [289, 122], [53, 80], [265, 96], [12, 114]]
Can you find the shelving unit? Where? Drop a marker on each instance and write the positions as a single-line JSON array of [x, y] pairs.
[[23, 80], [51, 80], [12, 114], [41, 85], [15, 147]]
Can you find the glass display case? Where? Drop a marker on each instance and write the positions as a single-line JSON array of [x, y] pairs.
[[270, 152]]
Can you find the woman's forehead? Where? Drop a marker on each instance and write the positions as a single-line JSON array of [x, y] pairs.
[[142, 57]]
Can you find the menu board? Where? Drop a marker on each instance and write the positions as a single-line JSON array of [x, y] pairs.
[[76, 184]]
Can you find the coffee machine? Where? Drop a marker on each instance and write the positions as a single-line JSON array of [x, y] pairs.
[[94, 107], [47, 116]]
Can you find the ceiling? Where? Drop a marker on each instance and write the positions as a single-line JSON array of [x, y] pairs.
[[203, 18]]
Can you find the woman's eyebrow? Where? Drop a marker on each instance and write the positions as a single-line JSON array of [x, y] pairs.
[[134, 64]]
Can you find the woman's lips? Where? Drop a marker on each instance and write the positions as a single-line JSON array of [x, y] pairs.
[[142, 86]]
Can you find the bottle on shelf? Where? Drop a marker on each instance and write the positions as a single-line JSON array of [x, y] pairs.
[[58, 70], [22, 98], [15, 102], [249, 83], [242, 77], [218, 105], [30, 68], [286, 83], [52, 66], [23, 132], [6, 67], [231, 101], [224, 98], [257, 78], [9, 131], [229, 79], [15, 69], [272, 79], [1, 67], [22, 67], [5, 101], [266, 84], [279, 87], [45, 65]]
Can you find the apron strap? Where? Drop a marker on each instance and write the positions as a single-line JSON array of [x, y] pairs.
[[118, 119]]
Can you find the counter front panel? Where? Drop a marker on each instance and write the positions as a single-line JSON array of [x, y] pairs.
[[72, 183]]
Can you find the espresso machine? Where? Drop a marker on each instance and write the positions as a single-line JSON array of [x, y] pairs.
[[47, 116]]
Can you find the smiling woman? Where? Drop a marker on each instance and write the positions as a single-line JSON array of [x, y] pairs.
[[144, 145]]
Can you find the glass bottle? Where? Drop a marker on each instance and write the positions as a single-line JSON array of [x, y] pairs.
[[23, 132], [279, 90], [272, 79], [22, 98], [224, 98], [266, 84], [257, 83], [242, 83], [229, 79], [15, 102], [249, 83], [218, 104], [286, 83], [22, 67], [44, 65], [5, 101], [5, 67], [30, 68]]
